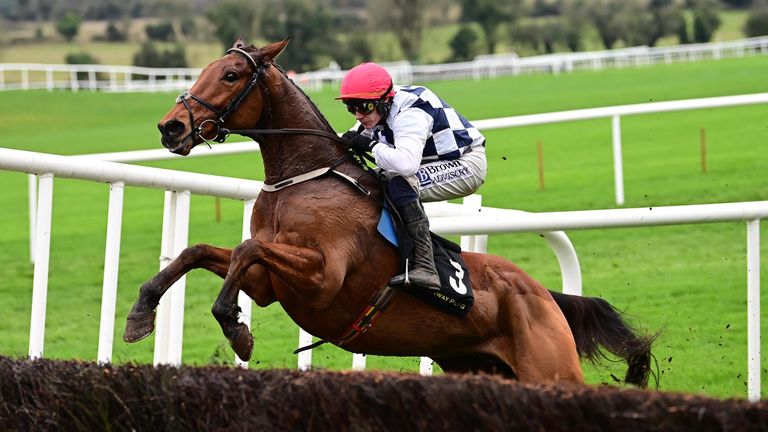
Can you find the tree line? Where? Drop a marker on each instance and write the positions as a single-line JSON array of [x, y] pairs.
[[346, 31]]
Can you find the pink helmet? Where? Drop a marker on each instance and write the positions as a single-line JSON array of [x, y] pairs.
[[366, 81]]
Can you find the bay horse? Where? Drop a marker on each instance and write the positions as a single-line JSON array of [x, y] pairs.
[[314, 248]]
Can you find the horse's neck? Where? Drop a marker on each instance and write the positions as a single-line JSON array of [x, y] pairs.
[[287, 156]]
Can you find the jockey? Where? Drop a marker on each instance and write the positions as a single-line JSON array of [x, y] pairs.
[[424, 148]]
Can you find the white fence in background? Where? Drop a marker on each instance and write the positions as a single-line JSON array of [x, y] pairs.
[[113, 78], [615, 113], [131, 78], [443, 219]]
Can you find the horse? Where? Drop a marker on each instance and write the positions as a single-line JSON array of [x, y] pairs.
[[314, 248]]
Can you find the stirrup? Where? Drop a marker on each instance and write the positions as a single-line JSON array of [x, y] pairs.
[[401, 279], [404, 280]]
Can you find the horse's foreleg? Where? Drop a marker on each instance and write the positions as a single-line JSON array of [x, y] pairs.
[[141, 318], [300, 268]]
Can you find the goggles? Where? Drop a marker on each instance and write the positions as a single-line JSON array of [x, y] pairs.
[[364, 108]]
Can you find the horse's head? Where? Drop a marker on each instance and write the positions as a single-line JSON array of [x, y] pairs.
[[227, 94]]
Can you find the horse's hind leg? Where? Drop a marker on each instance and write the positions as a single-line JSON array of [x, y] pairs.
[[141, 318], [535, 339], [474, 364], [540, 347]]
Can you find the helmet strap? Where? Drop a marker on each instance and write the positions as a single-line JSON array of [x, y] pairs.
[[382, 105]]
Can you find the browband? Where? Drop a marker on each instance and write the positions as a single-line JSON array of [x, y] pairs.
[[248, 56]]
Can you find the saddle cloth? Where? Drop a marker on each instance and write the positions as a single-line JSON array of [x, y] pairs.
[[455, 295]]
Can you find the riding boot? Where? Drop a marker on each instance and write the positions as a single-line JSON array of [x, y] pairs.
[[422, 272]]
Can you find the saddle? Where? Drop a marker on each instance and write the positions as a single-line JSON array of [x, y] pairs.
[[455, 295]]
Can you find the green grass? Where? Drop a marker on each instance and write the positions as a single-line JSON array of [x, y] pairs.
[[687, 281], [731, 25]]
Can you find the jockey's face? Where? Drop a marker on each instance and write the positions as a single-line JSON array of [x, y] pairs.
[[370, 120], [365, 111]]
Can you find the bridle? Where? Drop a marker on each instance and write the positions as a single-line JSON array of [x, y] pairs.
[[221, 132], [222, 114]]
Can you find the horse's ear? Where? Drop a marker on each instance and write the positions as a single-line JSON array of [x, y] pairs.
[[271, 51], [240, 44]]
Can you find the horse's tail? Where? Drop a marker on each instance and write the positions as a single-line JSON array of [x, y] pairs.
[[595, 324]]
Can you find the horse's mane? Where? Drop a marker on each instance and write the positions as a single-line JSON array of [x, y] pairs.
[[312, 104], [358, 160]]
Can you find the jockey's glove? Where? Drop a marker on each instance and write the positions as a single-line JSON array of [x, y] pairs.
[[360, 142]]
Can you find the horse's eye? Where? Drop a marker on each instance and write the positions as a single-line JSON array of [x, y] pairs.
[[230, 77]]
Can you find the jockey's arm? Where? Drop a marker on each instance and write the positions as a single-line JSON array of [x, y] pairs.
[[410, 128]]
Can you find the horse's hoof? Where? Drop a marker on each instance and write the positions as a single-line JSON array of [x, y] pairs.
[[137, 329], [242, 344]]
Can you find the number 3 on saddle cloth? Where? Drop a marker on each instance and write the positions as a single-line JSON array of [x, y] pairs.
[[455, 295]]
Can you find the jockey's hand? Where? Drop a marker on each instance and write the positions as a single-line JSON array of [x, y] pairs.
[[360, 142], [348, 135]]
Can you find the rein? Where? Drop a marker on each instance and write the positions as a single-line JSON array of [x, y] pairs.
[[285, 131]]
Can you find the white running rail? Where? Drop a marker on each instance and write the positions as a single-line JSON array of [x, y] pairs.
[[178, 186]]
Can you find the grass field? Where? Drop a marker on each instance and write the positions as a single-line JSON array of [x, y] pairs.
[[687, 281]]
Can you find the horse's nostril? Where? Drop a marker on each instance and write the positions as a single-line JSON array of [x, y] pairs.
[[171, 128]]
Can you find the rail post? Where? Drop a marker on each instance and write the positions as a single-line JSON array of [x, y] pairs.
[[32, 192], [111, 266], [180, 241], [618, 167], [170, 313], [245, 302], [305, 357], [42, 256], [164, 307], [474, 243], [753, 310]]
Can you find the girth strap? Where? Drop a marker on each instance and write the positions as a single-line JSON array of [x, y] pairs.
[[376, 306], [371, 313]]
